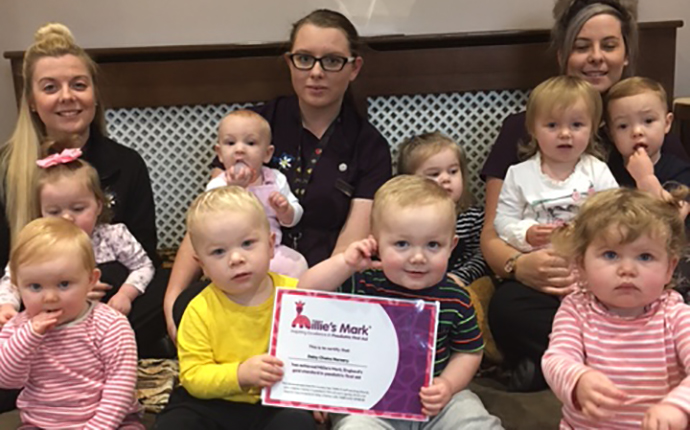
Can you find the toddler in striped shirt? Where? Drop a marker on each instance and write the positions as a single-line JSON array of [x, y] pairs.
[[619, 351], [76, 360], [439, 158]]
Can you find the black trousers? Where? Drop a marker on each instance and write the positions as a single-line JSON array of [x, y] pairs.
[[520, 319], [146, 317], [185, 412]]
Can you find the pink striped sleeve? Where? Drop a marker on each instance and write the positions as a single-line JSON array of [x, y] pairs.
[[563, 362], [119, 353], [17, 344], [680, 395]]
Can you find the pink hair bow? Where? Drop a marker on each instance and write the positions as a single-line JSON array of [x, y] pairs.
[[64, 157]]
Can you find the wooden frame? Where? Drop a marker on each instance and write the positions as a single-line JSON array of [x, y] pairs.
[[394, 65]]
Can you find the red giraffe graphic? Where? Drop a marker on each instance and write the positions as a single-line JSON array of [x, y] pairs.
[[301, 320]]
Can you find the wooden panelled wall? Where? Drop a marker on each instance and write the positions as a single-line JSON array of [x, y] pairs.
[[394, 65]]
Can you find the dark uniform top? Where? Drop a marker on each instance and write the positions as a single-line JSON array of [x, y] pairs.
[[504, 152], [125, 181], [354, 164]]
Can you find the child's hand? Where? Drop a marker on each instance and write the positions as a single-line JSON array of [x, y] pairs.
[[540, 234], [665, 416], [320, 417], [240, 175], [595, 393], [278, 202], [358, 255], [260, 371], [44, 321], [7, 311], [98, 291], [435, 397], [121, 303], [640, 165]]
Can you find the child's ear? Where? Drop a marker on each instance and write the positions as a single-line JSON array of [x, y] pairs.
[[272, 243], [216, 149], [669, 122], [672, 264], [269, 153], [95, 277], [454, 242], [200, 263]]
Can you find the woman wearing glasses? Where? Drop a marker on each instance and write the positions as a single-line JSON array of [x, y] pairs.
[[333, 158]]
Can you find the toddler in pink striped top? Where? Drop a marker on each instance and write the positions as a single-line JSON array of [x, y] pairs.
[[74, 359], [619, 351]]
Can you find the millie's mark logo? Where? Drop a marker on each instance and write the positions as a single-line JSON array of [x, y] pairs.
[[300, 320]]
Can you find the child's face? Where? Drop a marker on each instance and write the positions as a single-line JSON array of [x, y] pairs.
[[563, 135], [234, 249], [59, 283], [627, 277], [71, 199], [414, 245], [444, 168], [241, 139], [639, 121]]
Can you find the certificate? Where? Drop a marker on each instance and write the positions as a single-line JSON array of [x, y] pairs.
[[352, 354]]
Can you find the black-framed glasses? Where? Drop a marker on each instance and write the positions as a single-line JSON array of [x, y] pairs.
[[329, 63]]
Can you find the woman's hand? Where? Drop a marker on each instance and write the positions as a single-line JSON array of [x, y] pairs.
[[99, 291], [121, 303], [546, 271]]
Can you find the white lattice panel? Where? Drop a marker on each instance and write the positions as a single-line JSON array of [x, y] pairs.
[[471, 118], [177, 142], [177, 145]]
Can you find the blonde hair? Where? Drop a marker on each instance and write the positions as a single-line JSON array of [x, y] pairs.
[[263, 125], [416, 150], [222, 200], [19, 154], [572, 15], [623, 215], [81, 171], [632, 87], [43, 239], [557, 94], [405, 191]]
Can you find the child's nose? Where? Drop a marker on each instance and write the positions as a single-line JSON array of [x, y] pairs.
[[418, 257], [236, 257], [626, 267], [68, 216], [564, 131], [50, 296]]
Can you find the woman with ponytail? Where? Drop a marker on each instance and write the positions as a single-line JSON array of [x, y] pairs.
[[61, 106]]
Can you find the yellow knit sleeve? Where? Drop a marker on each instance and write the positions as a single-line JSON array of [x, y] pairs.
[[200, 375]]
